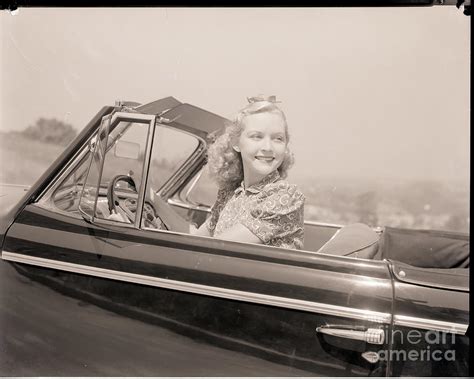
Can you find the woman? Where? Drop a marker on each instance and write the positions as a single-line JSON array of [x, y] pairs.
[[250, 162]]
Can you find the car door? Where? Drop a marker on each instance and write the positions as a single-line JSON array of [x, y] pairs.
[[308, 314], [430, 269], [431, 318], [261, 310]]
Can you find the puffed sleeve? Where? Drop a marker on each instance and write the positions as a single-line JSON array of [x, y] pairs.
[[223, 196], [278, 216]]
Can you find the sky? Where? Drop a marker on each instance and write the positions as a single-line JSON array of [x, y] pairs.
[[368, 92]]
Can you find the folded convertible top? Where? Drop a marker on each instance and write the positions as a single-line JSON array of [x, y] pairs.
[[425, 248]]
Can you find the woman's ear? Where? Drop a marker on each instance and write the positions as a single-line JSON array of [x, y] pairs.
[[236, 148]]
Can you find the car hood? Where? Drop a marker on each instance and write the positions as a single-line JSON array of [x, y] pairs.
[[10, 194]]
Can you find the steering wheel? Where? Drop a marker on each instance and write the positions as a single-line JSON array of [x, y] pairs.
[[129, 206]]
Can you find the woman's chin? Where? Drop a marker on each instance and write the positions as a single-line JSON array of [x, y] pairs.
[[263, 171]]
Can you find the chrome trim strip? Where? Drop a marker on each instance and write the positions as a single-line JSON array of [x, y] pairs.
[[432, 284], [317, 223], [193, 183], [424, 323], [309, 306], [182, 204]]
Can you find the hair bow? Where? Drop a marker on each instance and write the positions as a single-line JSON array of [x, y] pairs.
[[271, 99]]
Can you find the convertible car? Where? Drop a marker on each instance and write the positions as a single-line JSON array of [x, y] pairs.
[[84, 294]]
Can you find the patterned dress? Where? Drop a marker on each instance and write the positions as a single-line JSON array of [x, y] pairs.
[[272, 209]]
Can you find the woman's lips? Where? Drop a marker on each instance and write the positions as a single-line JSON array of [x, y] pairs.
[[266, 159]]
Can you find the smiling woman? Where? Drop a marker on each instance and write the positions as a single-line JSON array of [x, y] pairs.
[[249, 161]]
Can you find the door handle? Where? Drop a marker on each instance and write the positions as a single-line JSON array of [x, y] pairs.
[[370, 335]]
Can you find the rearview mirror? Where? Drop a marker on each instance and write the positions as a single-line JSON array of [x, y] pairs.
[[125, 149]]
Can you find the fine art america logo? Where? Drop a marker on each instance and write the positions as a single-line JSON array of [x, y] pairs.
[[417, 346]]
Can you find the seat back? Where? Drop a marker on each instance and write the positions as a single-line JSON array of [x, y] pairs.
[[316, 235], [354, 240]]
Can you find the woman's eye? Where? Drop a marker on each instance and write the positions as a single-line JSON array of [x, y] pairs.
[[256, 136], [279, 139]]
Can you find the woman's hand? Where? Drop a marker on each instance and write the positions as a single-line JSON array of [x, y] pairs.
[[173, 221]]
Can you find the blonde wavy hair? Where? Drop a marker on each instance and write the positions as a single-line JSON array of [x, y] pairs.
[[224, 163]]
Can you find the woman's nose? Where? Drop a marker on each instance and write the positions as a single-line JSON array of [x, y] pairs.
[[266, 144]]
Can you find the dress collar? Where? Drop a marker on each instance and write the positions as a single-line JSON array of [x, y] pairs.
[[258, 187]]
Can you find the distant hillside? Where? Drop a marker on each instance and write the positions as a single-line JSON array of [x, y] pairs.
[[421, 204]]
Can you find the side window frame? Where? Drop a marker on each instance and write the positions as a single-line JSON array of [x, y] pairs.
[[114, 119], [45, 200], [177, 181], [181, 197], [188, 193], [183, 173], [99, 149]]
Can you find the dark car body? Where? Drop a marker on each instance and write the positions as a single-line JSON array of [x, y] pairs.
[[83, 295]]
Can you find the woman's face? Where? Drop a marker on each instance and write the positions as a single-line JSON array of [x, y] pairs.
[[262, 145]]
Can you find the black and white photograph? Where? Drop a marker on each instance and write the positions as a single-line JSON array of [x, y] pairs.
[[235, 191]]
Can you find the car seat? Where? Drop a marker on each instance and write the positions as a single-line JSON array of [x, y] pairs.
[[354, 240]]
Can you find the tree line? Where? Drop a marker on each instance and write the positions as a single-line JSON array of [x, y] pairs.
[[50, 130]]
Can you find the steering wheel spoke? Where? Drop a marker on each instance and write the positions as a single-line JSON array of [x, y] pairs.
[[127, 208]]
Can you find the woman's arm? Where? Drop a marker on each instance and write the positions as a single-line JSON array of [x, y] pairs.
[[170, 218], [276, 220], [209, 225], [239, 233]]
